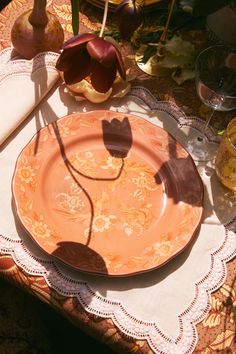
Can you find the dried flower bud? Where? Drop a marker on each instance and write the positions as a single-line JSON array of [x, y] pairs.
[[129, 16], [88, 56]]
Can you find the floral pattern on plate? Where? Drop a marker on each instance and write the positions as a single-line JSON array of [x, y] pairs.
[[108, 193]]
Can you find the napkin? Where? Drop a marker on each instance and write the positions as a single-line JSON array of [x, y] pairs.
[[23, 84]]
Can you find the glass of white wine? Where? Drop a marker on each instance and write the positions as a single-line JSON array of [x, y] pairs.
[[215, 69]]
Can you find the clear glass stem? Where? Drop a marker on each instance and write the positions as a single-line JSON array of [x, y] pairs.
[[208, 120], [200, 138]]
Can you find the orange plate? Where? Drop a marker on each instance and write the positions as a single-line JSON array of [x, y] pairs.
[[107, 193]]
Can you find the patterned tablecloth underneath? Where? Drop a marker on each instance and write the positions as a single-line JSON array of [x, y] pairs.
[[217, 331]]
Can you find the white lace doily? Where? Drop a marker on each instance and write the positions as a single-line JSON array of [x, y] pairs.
[[162, 306], [11, 63]]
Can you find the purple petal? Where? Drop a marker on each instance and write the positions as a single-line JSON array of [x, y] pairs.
[[102, 51], [64, 61], [120, 64], [78, 40], [102, 78], [79, 69]]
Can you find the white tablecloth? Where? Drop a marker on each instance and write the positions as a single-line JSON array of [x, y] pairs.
[[164, 305]]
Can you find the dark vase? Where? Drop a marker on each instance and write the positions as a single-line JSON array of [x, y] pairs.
[[36, 31]]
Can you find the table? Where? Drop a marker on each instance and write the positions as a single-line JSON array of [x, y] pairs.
[[217, 330]]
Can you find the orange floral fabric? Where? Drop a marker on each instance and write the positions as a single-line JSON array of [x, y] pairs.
[[216, 333]]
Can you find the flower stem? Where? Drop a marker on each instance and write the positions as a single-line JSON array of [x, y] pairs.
[[165, 31], [75, 16], [104, 20]]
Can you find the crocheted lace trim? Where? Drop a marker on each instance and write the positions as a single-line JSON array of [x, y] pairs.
[[11, 64]]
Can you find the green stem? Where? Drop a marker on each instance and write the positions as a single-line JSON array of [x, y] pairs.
[[75, 16]]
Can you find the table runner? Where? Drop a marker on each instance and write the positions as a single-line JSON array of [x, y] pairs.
[[124, 299]]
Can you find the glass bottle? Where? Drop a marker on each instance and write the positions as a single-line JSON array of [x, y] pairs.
[[225, 164]]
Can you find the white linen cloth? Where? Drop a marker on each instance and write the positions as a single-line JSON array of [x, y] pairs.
[[23, 84], [163, 305]]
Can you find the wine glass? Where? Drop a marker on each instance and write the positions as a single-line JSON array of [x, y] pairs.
[[215, 69]]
